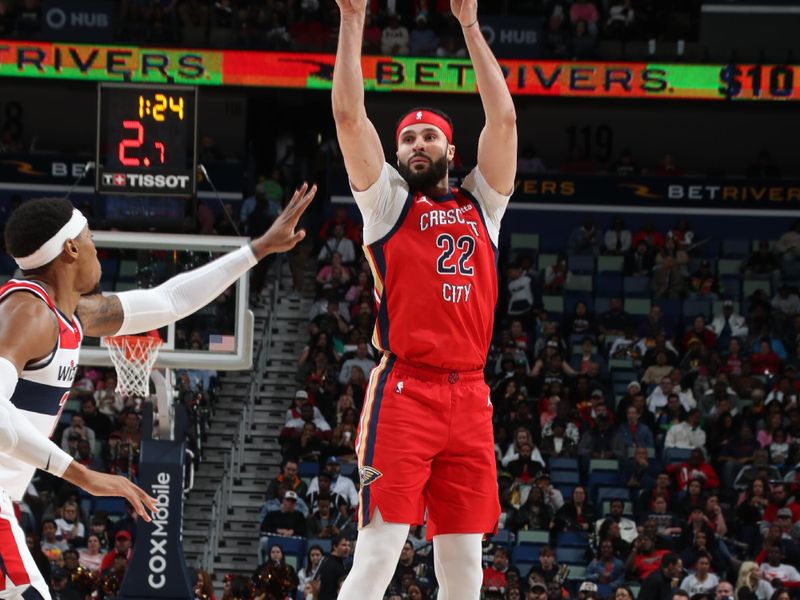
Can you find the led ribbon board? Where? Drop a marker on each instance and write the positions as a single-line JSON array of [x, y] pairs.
[[661, 81]]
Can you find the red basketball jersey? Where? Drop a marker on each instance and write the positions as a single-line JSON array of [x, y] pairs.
[[436, 283]]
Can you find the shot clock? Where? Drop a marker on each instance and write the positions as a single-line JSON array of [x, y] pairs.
[[146, 139]]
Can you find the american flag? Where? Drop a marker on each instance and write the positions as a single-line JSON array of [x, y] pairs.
[[221, 343]]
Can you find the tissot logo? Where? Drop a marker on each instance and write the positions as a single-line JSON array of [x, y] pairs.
[[137, 180]]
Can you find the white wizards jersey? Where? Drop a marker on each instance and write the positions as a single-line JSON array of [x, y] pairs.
[[43, 386]]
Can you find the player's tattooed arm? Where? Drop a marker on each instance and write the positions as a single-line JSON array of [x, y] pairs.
[[100, 315]]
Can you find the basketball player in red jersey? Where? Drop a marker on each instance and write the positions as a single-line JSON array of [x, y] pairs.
[[43, 319], [425, 436]]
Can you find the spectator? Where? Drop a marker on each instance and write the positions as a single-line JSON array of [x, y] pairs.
[[584, 10], [547, 569], [286, 521], [658, 398], [627, 528], [577, 514], [729, 324], [584, 43], [494, 575], [423, 40], [668, 281], [309, 571], [606, 568], [625, 166], [644, 559], [750, 580], [361, 359], [332, 569], [556, 276], [695, 468], [287, 479], [91, 558], [534, 513], [552, 496], [340, 217], [632, 434], [765, 361], [585, 240], [621, 20], [122, 548], [557, 444], [528, 162], [763, 262], [327, 520], [687, 434], [524, 468], [701, 332], [702, 580], [615, 320], [617, 239], [340, 485], [556, 39], [704, 285], [338, 243], [659, 585], [395, 38], [69, 527], [77, 427], [650, 235], [520, 292], [778, 573], [638, 261], [60, 587]]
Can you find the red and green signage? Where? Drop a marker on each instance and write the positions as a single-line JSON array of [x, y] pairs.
[[664, 81]]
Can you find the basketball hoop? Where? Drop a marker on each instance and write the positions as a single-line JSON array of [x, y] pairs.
[[133, 357]]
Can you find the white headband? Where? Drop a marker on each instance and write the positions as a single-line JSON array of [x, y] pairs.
[[53, 247]]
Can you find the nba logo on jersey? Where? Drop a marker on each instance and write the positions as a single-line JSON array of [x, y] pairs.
[[419, 115], [398, 388]]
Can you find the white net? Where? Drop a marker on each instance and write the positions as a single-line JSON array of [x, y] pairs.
[[133, 357]]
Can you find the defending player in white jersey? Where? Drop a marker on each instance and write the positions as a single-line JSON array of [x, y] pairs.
[[43, 318]]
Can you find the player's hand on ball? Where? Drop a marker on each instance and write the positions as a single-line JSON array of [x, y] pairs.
[[352, 7], [282, 235], [466, 11]]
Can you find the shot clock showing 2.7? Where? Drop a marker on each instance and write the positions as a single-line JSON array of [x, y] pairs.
[[146, 142]]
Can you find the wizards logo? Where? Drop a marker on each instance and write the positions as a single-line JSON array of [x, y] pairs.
[[368, 475]]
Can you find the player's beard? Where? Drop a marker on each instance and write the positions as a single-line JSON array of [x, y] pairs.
[[420, 181]]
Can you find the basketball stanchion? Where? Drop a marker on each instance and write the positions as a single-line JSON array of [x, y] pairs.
[[158, 568]]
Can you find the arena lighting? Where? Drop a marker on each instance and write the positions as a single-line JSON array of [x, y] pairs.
[[651, 80]]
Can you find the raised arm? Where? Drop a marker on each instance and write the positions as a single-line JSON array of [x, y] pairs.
[[360, 144], [142, 310], [497, 146]]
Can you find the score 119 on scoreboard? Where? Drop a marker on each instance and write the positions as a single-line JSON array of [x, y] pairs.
[[146, 139]]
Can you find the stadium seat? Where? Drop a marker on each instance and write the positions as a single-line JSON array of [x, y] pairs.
[[576, 573], [503, 537], [581, 264], [522, 242], [113, 507], [558, 463], [554, 304], [571, 299], [735, 248], [750, 286], [626, 364], [637, 306], [601, 304], [651, 452], [608, 284], [603, 464], [636, 287], [670, 308], [579, 283], [627, 508], [728, 266], [545, 260], [611, 493], [295, 546], [349, 468], [571, 556], [326, 544], [308, 468], [533, 537], [676, 455], [565, 477], [574, 539], [610, 264], [692, 308], [525, 553]]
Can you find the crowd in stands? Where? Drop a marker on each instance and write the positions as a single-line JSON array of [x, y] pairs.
[[81, 544], [646, 417], [570, 28]]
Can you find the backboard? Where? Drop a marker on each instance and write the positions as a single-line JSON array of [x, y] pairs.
[[219, 336]]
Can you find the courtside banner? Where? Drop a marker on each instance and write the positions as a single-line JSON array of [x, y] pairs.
[[90, 62]]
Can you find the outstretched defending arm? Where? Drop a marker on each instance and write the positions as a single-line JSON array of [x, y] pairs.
[[142, 310], [360, 144], [497, 147], [27, 332]]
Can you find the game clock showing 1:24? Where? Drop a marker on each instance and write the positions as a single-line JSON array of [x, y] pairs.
[[146, 140]]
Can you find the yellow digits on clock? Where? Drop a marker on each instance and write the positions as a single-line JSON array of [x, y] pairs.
[[176, 107], [159, 107]]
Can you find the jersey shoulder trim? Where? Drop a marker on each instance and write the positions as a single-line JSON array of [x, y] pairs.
[[403, 214]]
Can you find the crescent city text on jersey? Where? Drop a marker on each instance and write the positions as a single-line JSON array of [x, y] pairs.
[[434, 218]]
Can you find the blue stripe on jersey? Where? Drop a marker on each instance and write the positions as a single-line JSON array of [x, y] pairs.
[[38, 397], [369, 455], [383, 310], [478, 207]]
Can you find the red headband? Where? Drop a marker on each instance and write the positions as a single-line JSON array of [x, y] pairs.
[[428, 118]]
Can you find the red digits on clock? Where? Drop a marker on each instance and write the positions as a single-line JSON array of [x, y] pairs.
[[160, 146], [129, 143]]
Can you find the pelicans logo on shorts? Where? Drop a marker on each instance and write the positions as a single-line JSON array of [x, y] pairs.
[[368, 475]]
